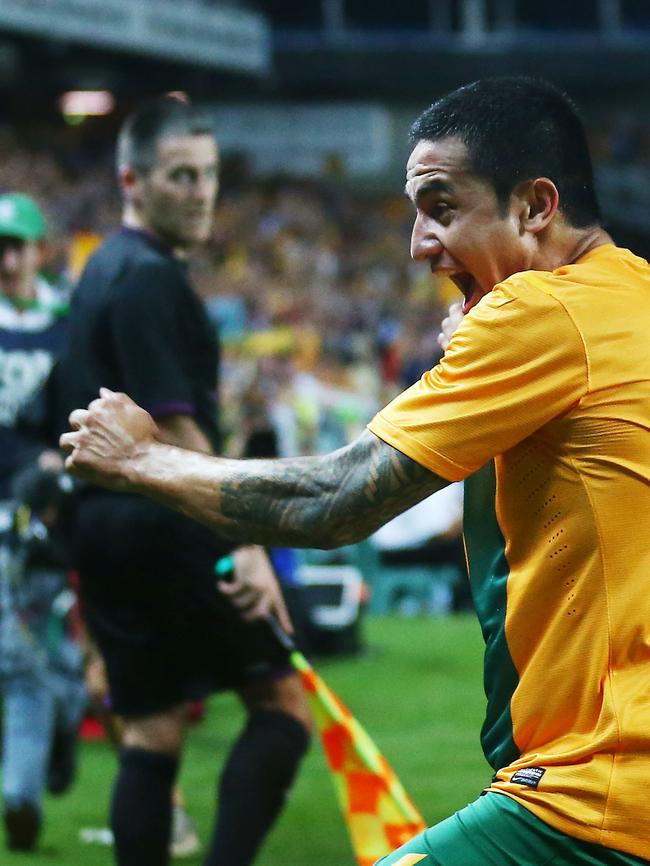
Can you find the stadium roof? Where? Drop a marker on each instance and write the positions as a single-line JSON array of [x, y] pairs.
[[225, 37]]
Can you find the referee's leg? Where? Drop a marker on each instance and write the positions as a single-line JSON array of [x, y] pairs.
[[141, 811], [260, 768]]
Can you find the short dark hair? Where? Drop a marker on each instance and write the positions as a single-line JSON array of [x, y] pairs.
[[156, 119], [516, 129]]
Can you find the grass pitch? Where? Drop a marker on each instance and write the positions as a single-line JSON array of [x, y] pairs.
[[418, 692]]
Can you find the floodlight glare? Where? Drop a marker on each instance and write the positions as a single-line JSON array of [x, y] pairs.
[[86, 103]]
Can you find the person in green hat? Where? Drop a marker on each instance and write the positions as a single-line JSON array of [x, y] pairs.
[[22, 230], [21, 217], [41, 679], [33, 326]]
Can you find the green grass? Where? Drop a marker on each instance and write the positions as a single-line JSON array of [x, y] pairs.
[[417, 691]]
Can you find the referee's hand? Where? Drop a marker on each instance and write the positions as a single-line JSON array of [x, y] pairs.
[[254, 588]]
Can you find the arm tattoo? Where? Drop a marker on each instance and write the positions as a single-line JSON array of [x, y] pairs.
[[326, 501]]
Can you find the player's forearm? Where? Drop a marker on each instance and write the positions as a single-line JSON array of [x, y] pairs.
[[239, 499], [325, 501]]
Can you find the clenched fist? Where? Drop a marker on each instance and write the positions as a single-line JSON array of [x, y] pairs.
[[106, 438]]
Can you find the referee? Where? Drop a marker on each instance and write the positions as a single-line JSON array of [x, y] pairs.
[[147, 574]]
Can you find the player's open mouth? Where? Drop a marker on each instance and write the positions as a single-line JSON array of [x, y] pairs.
[[468, 286]]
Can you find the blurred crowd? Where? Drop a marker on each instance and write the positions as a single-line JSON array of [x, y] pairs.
[[322, 313], [319, 306]]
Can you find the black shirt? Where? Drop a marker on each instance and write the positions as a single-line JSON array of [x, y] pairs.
[[137, 326]]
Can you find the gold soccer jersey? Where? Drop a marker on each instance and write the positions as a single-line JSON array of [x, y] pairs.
[[545, 388]]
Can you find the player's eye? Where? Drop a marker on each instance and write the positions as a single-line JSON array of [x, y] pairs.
[[440, 211]]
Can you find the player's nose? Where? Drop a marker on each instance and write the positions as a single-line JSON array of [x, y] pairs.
[[425, 246]]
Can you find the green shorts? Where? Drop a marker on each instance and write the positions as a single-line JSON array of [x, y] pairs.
[[496, 831]]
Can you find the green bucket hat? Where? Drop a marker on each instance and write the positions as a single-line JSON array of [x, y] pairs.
[[21, 217]]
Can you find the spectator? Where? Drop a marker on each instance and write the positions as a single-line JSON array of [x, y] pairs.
[[40, 666]]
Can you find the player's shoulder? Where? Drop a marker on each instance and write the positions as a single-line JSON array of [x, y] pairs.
[[523, 294], [531, 288], [600, 268], [521, 309]]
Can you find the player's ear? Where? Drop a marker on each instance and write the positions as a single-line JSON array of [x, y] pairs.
[[538, 202]]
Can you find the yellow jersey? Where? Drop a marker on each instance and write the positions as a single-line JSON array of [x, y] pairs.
[[545, 388]]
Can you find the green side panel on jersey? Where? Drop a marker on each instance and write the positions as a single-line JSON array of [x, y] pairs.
[[488, 574]]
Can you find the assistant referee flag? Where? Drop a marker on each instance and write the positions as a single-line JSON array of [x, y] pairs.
[[378, 812]]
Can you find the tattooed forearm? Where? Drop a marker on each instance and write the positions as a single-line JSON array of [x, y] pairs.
[[326, 501]]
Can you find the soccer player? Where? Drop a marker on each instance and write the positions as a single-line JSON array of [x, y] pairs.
[[147, 576], [542, 402]]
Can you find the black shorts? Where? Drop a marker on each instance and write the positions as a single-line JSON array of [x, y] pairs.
[[150, 601]]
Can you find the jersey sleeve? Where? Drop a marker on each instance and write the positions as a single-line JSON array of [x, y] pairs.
[[516, 362], [144, 321]]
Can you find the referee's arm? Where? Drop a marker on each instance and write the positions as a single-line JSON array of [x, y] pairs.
[[184, 432], [253, 589], [322, 501]]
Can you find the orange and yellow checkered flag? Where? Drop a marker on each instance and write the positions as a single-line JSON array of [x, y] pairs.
[[377, 810]]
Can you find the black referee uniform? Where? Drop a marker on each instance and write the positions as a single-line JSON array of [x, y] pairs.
[[147, 579]]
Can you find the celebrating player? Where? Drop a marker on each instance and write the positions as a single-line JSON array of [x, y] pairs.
[[542, 401]]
